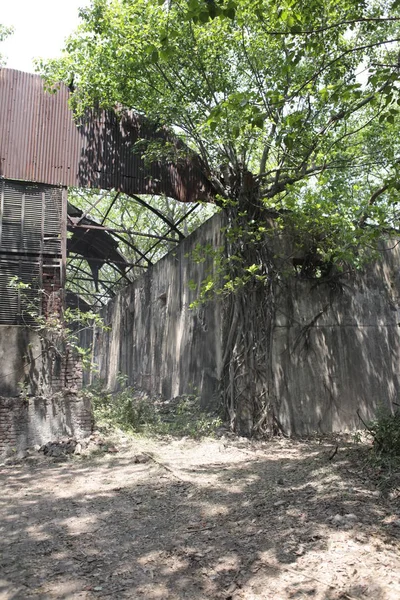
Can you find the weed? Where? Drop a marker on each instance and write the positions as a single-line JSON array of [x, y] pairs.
[[123, 409], [385, 430], [137, 412], [184, 416], [384, 459]]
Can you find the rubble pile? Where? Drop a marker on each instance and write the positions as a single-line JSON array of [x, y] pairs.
[[61, 448]]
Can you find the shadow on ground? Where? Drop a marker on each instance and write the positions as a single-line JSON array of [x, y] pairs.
[[276, 523]]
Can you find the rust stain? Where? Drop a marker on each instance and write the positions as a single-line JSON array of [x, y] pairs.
[[41, 142]]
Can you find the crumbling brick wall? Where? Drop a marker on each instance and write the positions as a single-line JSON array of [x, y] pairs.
[[66, 371], [39, 387], [25, 422], [67, 374]]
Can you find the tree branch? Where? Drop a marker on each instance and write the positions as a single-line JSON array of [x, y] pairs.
[[333, 26], [342, 55], [278, 187], [371, 202]]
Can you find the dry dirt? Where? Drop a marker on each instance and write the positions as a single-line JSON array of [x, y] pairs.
[[191, 519]]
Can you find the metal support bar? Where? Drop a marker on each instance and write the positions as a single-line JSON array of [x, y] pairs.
[[104, 261], [84, 292], [86, 212], [126, 231], [109, 290], [110, 207], [192, 209], [159, 214], [119, 237]]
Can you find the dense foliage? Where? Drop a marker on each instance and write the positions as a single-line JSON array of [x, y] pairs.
[[303, 95], [385, 431]]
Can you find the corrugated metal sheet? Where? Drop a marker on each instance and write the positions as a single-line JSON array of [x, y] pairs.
[[40, 142]]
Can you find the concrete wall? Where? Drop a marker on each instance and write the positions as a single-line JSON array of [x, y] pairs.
[[38, 420], [156, 340], [38, 400], [21, 364], [335, 351], [26, 364]]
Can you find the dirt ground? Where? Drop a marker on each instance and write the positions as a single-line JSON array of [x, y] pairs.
[[217, 518]]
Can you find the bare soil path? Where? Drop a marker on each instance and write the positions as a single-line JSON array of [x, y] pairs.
[[187, 519]]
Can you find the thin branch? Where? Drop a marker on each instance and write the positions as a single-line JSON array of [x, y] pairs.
[[342, 55], [333, 26], [276, 188], [371, 202]]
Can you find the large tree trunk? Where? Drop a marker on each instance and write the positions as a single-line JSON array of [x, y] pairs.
[[247, 384]]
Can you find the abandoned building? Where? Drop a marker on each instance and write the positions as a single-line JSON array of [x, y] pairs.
[[326, 370], [43, 151]]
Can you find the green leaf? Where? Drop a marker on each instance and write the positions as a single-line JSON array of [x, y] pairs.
[[230, 13], [204, 16], [258, 122], [288, 140]]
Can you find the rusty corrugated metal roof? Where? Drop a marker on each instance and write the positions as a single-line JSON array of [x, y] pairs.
[[40, 142]]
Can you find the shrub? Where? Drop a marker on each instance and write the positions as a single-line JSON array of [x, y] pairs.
[[123, 409], [133, 411], [385, 430]]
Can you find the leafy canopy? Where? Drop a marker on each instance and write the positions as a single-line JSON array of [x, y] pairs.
[[4, 33], [301, 94]]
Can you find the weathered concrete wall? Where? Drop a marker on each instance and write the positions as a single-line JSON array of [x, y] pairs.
[[335, 351], [156, 340], [38, 400], [25, 422], [26, 363], [21, 355]]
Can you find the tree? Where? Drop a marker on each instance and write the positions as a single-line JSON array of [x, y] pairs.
[[293, 108], [4, 33]]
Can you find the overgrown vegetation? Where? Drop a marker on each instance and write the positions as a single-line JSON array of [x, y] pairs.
[[385, 431], [139, 413], [381, 460], [58, 328], [292, 108]]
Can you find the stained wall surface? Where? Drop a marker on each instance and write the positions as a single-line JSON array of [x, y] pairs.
[[26, 422], [336, 350], [27, 366], [155, 339], [21, 361], [38, 392]]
